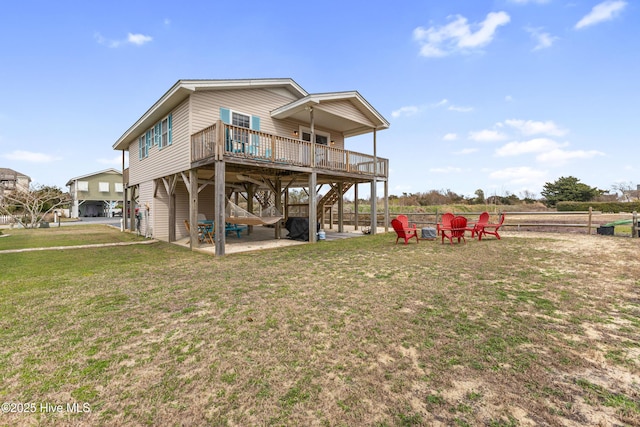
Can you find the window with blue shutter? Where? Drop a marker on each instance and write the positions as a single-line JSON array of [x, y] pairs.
[[170, 139]]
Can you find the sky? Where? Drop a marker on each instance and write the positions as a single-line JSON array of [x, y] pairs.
[[500, 96]]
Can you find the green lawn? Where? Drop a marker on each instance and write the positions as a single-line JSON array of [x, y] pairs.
[[534, 329]]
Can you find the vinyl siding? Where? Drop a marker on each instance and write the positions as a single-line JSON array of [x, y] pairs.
[[182, 210], [347, 110], [168, 160], [255, 102], [161, 213], [146, 196]]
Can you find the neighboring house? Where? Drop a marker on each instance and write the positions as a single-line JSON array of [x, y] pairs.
[[95, 194], [206, 141], [11, 180]]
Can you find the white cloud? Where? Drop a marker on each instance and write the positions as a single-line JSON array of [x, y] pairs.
[[529, 1], [508, 98], [601, 12], [448, 169], [518, 175], [543, 40], [531, 127], [559, 157], [487, 135], [460, 109], [458, 36], [28, 156], [466, 151], [405, 111], [450, 137], [136, 39], [412, 110], [537, 145]]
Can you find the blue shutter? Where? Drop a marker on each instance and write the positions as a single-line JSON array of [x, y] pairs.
[[140, 142], [255, 139], [225, 115], [169, 138]]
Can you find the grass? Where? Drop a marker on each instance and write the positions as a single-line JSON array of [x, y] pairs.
[[522, 331]]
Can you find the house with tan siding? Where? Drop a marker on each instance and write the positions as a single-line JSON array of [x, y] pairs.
[[207, 142]]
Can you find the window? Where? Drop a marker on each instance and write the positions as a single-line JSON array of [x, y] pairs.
[[83, 185], [243, 121], [143, 150], [322, 138], [103, 187], [165, 132], [119, 187], [158, 136]]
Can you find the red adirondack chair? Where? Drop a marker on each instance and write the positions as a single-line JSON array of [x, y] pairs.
[[478, 226], [446, 222], [494, 227], [403, 232], [457, 229]]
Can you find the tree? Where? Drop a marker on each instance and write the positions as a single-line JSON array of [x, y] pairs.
[[479, 197], [568, 189], [30, 207], [627, 190]]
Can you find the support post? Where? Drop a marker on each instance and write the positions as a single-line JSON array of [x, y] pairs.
[[251, 192], [278, 204], [374, 186], [313, 203], [356, 206], [386, 206], [374, 206], [193, 209], [589, 222], [219, 214], [635, 225], [340, 207]]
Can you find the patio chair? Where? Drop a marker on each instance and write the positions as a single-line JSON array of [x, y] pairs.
[[402, 232], [188, 227], [456, 231], [477, 227], [445, 222], [494, 227]]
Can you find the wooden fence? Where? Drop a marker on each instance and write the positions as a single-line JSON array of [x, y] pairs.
[[587, 221], [6, 219]]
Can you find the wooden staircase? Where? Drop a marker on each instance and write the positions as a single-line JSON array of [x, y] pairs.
[[332, 196]]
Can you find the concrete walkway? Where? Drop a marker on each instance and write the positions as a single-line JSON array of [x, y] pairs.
[[57, 248]]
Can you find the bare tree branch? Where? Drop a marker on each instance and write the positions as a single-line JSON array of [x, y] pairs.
[[30, 207]]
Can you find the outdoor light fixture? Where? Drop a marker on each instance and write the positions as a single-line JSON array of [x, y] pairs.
[[295, 133]]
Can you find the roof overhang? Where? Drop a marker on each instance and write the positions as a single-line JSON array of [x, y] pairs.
[[110, 170], [184, 88], [323, 117]]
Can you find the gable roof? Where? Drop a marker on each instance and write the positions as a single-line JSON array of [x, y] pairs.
[[182, 89], [369, 118], [7, 171], [110, 170]]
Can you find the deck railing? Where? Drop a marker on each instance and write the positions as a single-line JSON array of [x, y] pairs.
[[235, 142]]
